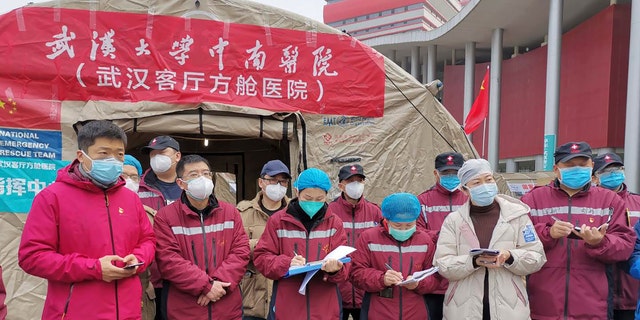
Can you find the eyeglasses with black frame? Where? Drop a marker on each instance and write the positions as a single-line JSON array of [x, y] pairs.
[[282, 182], [195, 174]]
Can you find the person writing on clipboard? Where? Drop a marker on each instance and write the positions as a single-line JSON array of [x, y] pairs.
[[387, 255], [306, 230], [490, 285]]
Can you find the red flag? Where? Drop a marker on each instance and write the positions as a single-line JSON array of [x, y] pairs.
[[480, 108]]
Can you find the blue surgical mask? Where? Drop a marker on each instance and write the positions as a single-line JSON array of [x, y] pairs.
[[401, 235], [105, 171], [612, 180], [450, 182], [311, 207], [483, 194], [575, 177]]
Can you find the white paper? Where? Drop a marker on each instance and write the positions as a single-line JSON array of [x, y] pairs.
[[337, 253], [418, 276]]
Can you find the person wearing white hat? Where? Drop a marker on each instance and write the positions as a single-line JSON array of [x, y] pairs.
[[490, 285]]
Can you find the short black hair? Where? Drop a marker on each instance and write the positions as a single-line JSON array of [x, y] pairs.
[[188, 159], [93, 130]]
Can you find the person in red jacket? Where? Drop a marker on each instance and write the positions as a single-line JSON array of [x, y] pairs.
[[203, 250], [437, 202], [389, 254], [157, 188], [357, 215], [307, 230], [85, 230], [608, 173], [3, 295], [573, 283]]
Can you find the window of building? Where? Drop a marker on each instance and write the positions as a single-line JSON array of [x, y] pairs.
[[387, 12], [416, 6], [526, 166]]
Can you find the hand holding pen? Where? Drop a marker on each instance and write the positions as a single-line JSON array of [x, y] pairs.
[[560, 229], [391, 277], [297, 260]]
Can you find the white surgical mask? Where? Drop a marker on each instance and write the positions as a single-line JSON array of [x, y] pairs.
[[132, 185], [354, 189], [161, 163], [200, 188], [275, 192]]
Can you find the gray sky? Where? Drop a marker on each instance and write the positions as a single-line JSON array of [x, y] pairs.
[[309, 8]]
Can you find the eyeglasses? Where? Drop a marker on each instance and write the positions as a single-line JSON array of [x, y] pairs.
[[194, 175], [134, 177], [282, 182]]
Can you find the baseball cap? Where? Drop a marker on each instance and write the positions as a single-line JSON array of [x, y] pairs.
[[349, 171], [572, 150], [602, 161], [161, 143], [273, 168], [448, 161]]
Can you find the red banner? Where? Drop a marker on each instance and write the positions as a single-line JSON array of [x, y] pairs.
[[67, 54]]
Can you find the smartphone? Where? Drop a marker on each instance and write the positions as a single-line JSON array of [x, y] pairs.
[[131, 266]]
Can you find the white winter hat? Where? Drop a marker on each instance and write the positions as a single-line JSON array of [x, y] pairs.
[[473, 168]]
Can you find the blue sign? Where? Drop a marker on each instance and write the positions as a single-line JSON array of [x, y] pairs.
[[549, 149], [21, 179], [31, 144]]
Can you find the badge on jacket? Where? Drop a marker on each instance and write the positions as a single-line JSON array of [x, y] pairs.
[[529, 233]]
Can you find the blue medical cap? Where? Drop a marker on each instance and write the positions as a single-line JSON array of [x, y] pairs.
[[400, 207], [129, 160], [313, 178]]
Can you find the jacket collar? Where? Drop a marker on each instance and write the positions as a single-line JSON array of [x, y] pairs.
[[191, 210], [345, 203]]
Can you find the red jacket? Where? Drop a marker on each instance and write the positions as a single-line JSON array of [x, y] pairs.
[[355, 220], [72, 224], [3, 295], [625, 290], [436, 204], [195, 249], [285, 234], [375, 247], [148, 191], [573, 283]]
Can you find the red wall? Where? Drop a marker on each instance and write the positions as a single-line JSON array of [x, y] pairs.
[[593, 79]]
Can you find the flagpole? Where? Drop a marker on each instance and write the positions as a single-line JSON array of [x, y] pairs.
[[484, 135]]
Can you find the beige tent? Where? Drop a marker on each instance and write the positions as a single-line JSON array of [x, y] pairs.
[[520, 183], [396, 150]]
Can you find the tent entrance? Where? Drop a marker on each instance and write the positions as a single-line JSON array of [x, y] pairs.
[[237, 146]]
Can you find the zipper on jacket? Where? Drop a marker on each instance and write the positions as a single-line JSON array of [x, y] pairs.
[[450, 202], [399, 287], [306, 257], [195, 256], [566, 288], [318, 252], [215, 252], [113, 249], [66, 304], [204, 244], [353, 244]]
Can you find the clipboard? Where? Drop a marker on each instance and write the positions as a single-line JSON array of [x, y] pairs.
[[311, 266]]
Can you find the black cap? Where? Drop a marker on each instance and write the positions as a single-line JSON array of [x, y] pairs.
[[449, 161], [273, 168], [572, 150], [161, 143], [604, 160], [349, 171]]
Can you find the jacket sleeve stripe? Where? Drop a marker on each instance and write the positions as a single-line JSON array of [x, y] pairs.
[[296, 234], [359, 225], [190, 231], [374, 247], [575, 210]]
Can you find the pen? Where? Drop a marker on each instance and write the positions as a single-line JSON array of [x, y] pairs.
[[388, 266], [295, 253]]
